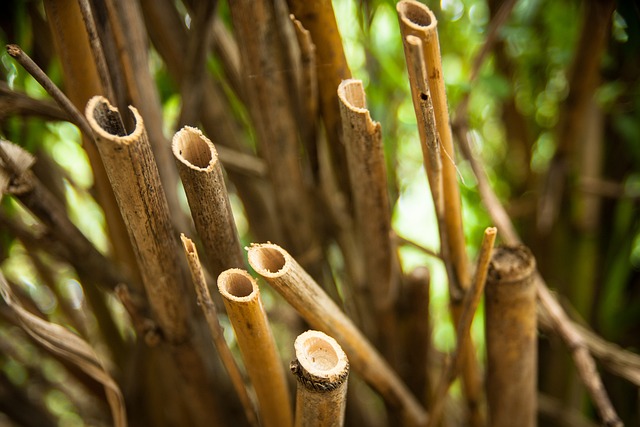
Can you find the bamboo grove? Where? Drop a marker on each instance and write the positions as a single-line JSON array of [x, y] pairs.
[[250, 271]]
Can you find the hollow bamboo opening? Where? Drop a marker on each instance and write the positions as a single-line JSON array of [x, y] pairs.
[[267, 260], [321, 356], [235, 285], [194, 150], [417, 15]]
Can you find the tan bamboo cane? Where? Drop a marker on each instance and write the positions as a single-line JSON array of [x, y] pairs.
[[368, 178], [316, 307], [417, 19], [322, 369], [134, 176], [418, 27], [211, 314], [510, 328], [241, 297], [203, 180]]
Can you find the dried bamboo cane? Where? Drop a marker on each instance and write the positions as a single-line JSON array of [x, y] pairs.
[[418, 26], [368, 177], [241, 297], [471, 301], [416, 19], [203, 180], [316, 307], [510, 316], [211, 314], [134, 176], [322, 369]]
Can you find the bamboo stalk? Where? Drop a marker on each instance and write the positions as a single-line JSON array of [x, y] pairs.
[[203, 180], [418, 20], [510, 316], [241, 298], [134, 176], [434, 165], [470, 304], [211, 314], [322, 370], [368, 178], [316, 307]]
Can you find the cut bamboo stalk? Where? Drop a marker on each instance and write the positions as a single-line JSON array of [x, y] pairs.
[[417, 19], [211, 314], [134, 176], [322, 370], [316, 307], [470, 304], [203, 180], [418, 26], [368, 178], [510, 328], [81, 75], [241, 297]]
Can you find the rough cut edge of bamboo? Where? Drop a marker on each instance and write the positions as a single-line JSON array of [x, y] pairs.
[[580, 345], [322, 369], [368, 178], [511, 331], [211, 315], [418, 20], [133, 173], [470, 304], [203, 180], [289, 279], [241, 297]]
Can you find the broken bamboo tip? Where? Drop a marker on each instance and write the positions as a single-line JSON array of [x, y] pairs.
[[106, 122], [194, 150], [416, 15], [321, 368]]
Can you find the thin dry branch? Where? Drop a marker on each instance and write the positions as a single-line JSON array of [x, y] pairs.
[[203, 181], [470, 304], [282, 272], [61, 99], [241, 297], [211, 314], [322, 370], [13, 103]]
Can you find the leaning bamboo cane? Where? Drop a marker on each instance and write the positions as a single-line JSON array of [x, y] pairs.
[[510, 313], [368, 178], [211, 314], [241, 297], [203, 180], [322, 369], [316, 307], [134, 176]]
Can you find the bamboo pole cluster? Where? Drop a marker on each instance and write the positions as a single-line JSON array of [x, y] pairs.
[[306, 160]]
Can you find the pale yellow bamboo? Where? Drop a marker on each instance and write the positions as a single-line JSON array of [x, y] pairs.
[[417, 19], [211, 315], [241, 297], [316, 307], [322, 369], [203, 181]]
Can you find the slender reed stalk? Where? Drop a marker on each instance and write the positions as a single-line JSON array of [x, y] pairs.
[[432, 149], [241, 297], [510, 316], [134, 176], [368, 178], [203, 180], [211, 314], [322, 369], [470, 304], [417, 19], [316, 307]]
